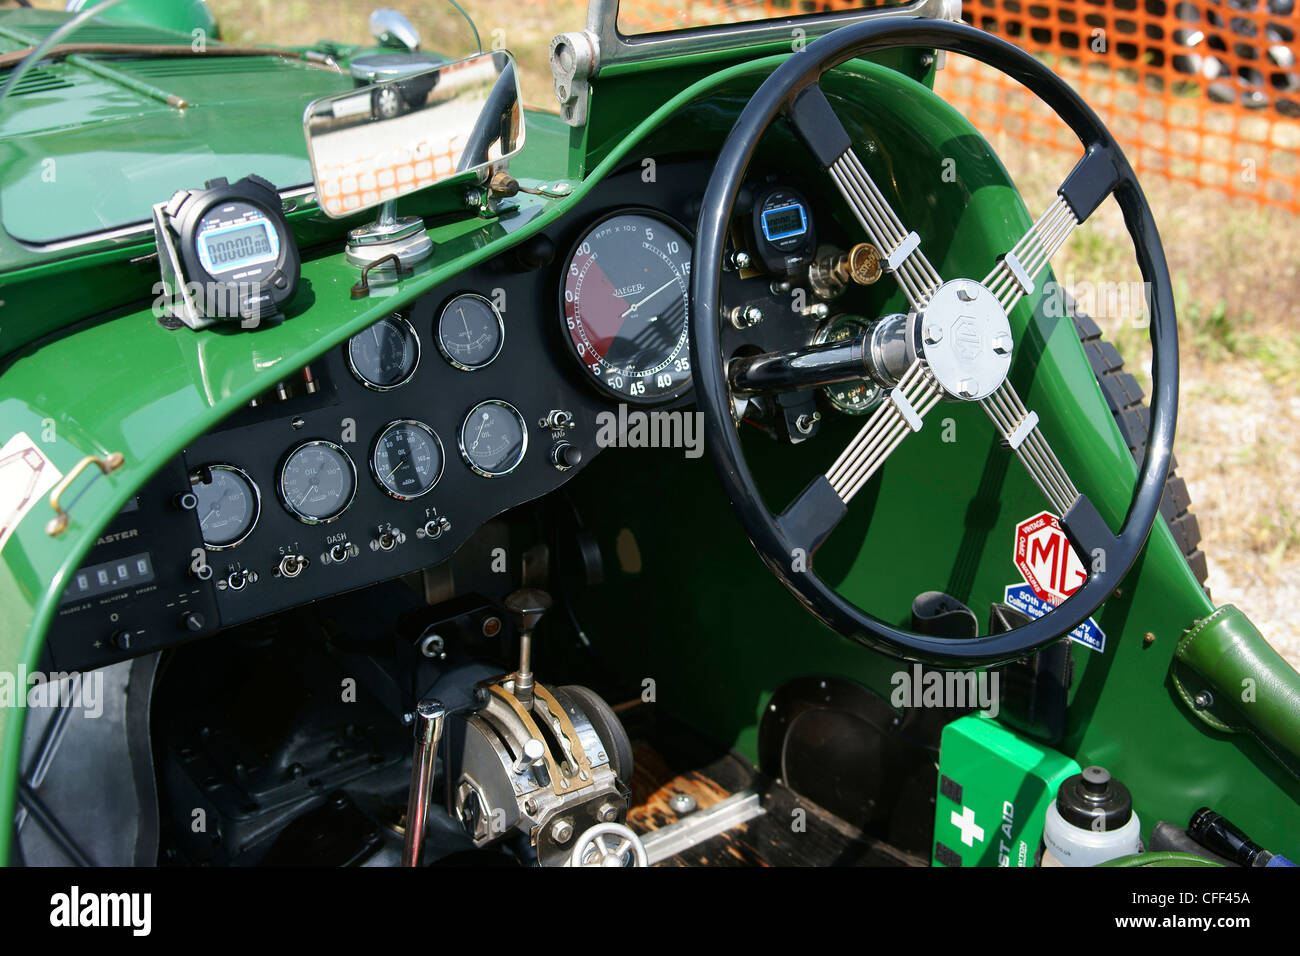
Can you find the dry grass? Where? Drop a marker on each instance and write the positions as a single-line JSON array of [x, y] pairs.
[[1235, 270]]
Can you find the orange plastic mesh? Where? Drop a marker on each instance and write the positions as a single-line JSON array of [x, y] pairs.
[[1199, 91]]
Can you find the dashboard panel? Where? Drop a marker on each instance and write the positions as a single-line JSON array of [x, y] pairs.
[[384, 455]]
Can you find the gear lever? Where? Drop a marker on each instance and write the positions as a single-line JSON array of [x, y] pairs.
[[526, 607], [429, 717]]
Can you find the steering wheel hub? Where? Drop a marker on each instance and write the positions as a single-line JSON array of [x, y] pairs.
[[964, 336]]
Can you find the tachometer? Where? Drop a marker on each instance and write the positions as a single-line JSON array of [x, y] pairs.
[[626, 306]]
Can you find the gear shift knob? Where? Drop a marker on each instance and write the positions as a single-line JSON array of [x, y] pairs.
[[526, 606]]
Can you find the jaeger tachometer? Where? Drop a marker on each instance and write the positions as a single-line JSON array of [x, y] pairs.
[[626, 305]]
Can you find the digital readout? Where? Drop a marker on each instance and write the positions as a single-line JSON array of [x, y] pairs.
[[97, 579], [228, 249], [783, 222]]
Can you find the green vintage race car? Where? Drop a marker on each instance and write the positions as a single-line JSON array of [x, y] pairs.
[[382, 464]]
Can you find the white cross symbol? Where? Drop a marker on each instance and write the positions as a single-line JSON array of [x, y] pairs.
[[965, 822]]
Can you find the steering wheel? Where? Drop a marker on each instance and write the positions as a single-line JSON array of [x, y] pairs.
[[954, 344]]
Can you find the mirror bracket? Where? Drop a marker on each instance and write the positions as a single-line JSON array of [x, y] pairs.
[[388, 236]]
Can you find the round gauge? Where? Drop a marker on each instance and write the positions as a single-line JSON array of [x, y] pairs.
[[385, 355], [852, 398], [407, 459], [228, 504], [493, 438], [626, 307], [470, 332], [317, 482]]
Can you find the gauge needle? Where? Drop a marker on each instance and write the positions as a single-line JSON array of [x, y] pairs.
[[468, 334], [310, 489], [648, 298], [395, 467], [213, 510]]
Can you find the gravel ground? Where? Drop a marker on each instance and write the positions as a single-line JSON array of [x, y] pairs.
[[1237, 450]]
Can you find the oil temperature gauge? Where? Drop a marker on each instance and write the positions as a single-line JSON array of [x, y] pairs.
[[470, 332], [493, 438], [852, 398], [317, 482]]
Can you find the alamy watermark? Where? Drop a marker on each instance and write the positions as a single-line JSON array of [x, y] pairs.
[[946, 689], [638, 428], [69, 689]]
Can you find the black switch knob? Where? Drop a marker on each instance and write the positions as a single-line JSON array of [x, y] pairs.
[[566, 455], [122, 640], [192, 621]]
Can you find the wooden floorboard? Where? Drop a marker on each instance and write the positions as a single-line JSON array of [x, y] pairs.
[[792, 832]]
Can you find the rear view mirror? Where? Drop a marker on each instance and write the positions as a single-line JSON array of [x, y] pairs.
[[409, 131]]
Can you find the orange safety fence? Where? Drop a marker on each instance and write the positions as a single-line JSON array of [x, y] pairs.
[[1205, 92]]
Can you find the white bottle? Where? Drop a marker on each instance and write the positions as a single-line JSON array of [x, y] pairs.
[[1090, 821]]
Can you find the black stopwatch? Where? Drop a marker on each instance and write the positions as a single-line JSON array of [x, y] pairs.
[[240, 259], [784, 236]]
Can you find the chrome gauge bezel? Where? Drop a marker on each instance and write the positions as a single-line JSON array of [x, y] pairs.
[[284, 498], [413, 336], [464, 452], [257, 504], [374, 450], [820, 337], [446, 353]]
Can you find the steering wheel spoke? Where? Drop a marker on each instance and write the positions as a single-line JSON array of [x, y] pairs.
[[901, 413], [816, 123], [1093, 178], [1019, 429]]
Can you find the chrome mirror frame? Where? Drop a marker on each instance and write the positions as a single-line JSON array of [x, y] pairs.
[[578, 56]]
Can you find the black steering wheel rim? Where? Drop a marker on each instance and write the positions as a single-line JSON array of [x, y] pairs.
[[713, 396]]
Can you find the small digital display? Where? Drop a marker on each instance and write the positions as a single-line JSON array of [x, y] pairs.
[[227, 248], [97, 579], [784, 222]]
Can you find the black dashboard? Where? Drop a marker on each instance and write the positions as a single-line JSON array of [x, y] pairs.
[[383, 456]]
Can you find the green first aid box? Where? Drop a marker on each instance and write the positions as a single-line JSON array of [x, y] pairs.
[[994, 790]]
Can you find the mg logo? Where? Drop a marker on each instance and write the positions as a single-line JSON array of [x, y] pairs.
[[1046, 559], [966, 339]]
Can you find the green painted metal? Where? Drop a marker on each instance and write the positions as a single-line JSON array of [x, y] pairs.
[[180, 15], [940, 516], [1005, 783], [724, 635]]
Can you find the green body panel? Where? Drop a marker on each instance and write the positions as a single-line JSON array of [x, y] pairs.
[[182, 15], [722, 633], [1005, 783]]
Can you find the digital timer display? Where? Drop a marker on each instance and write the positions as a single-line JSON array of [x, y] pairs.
[[234, 247], [784, 222], [96, 579]]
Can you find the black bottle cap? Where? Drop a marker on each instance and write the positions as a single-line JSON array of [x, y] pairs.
[[1094, 800]]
